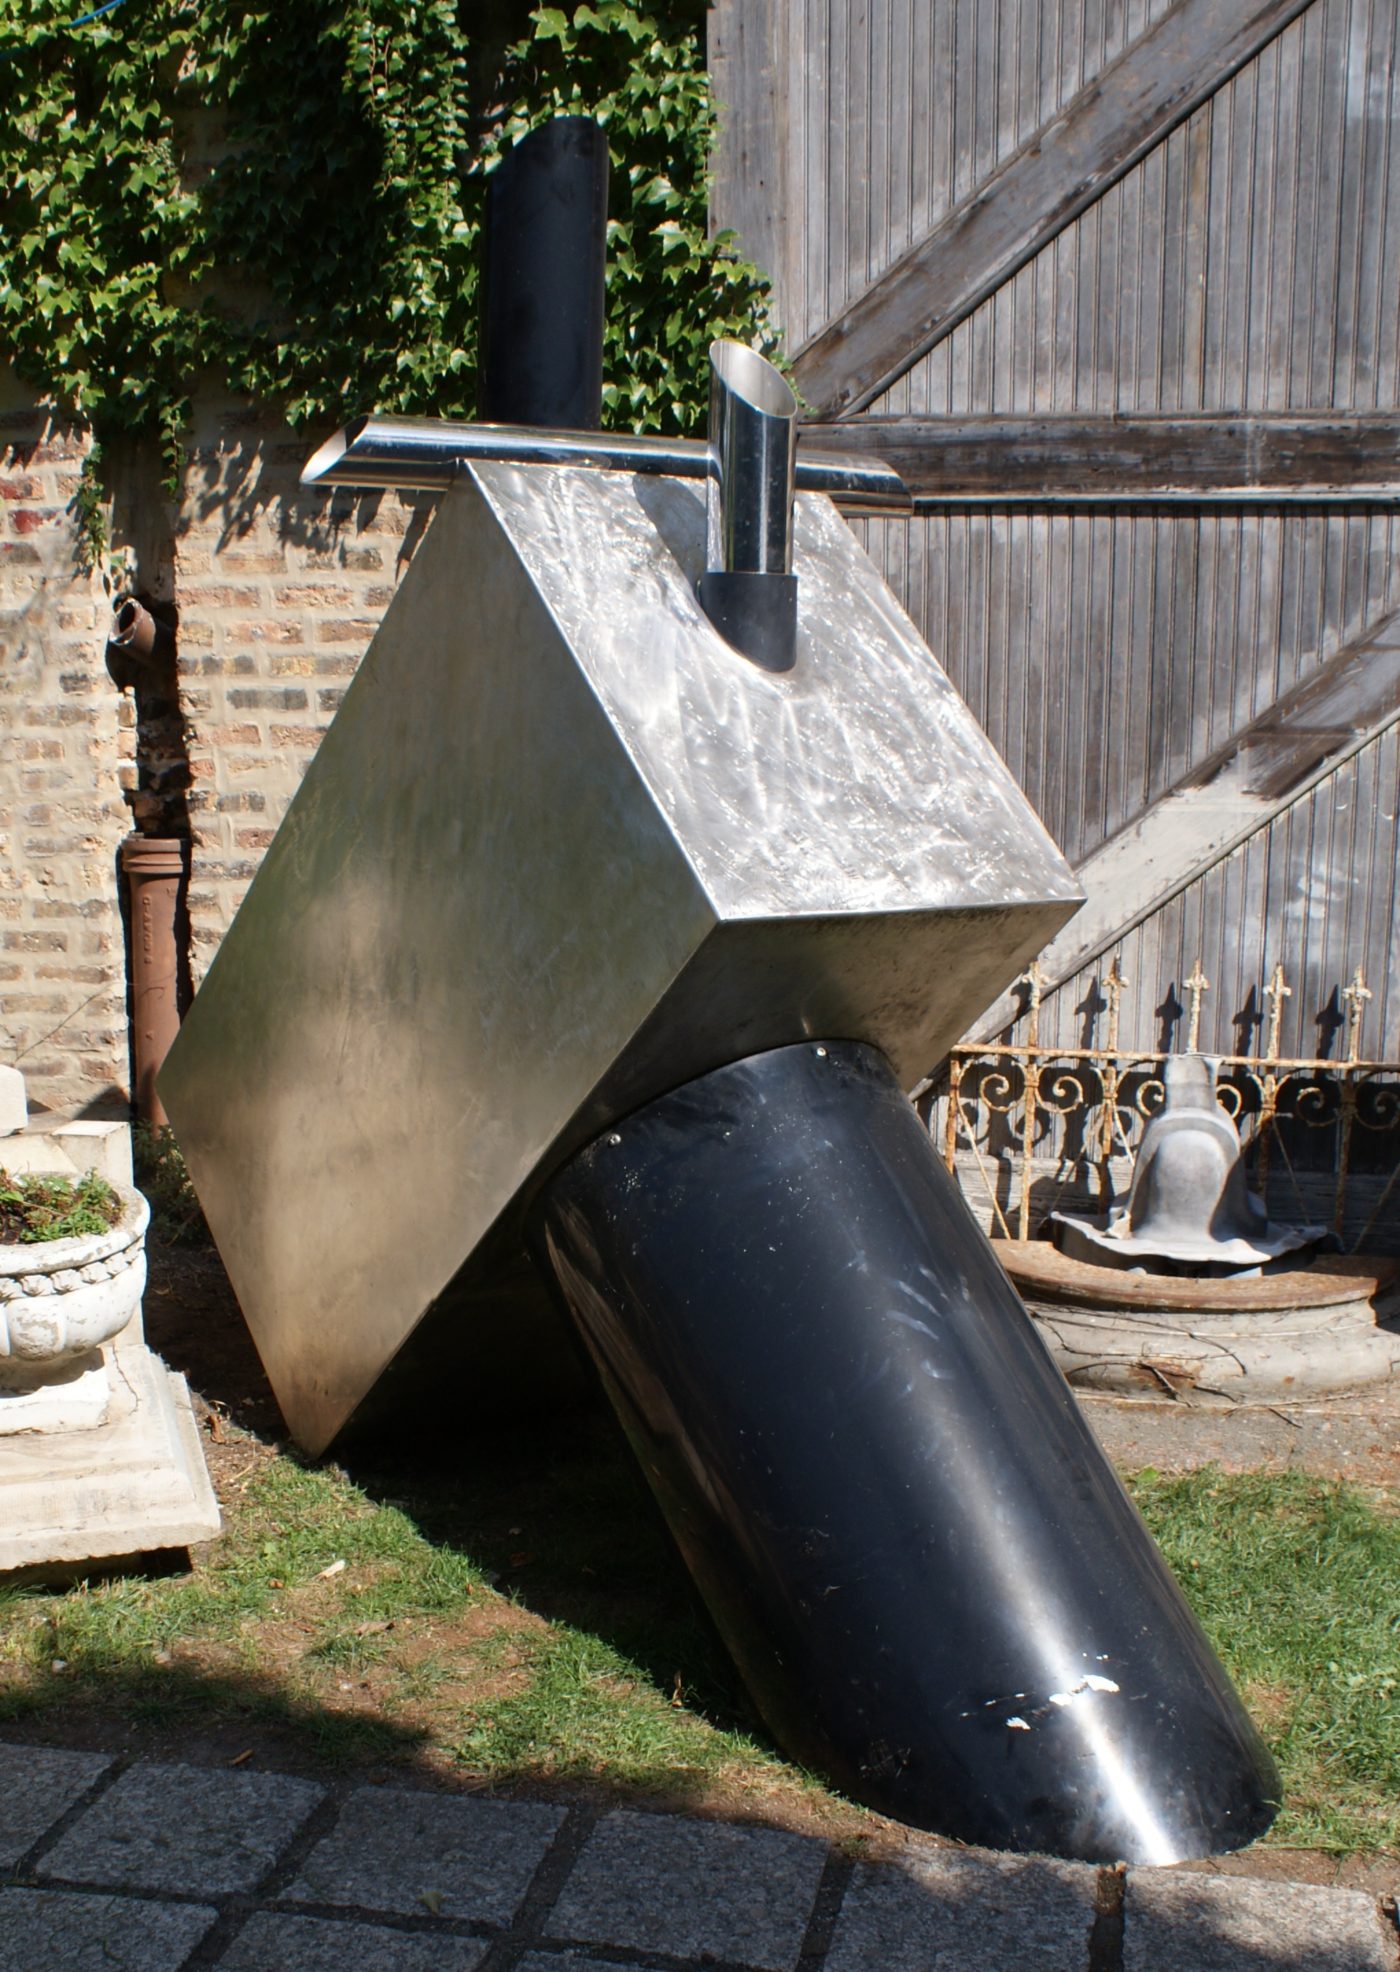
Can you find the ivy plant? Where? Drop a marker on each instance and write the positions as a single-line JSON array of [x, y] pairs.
[[285, 199], [671, 289], [340, 197], [98, 231]]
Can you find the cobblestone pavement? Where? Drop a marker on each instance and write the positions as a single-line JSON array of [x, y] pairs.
[[107, 1863]]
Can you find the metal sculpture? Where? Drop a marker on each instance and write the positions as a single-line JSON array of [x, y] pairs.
[[594, 929]]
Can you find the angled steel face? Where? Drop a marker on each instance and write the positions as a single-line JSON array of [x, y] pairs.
[[561, 850]]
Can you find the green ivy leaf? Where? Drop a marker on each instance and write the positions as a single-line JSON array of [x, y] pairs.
[[273, 196]]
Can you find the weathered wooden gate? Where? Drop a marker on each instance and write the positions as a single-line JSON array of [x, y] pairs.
[[1116, 283]]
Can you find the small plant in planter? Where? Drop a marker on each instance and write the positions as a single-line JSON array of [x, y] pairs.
[[37, 1205], [72, 1269]]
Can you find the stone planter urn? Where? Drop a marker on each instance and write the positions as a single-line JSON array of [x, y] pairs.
[[60, 1300], [101, 1464]]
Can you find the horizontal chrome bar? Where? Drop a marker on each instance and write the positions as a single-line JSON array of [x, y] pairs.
[[423, 454]]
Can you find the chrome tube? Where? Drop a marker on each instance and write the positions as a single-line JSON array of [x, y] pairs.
[[753, 453], [425, 454], [748, 590]]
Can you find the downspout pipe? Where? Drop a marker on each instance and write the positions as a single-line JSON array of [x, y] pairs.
[[141, 656], [138, 644], [155, 869]]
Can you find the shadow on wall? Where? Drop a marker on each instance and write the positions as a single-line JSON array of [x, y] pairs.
[[242, 468]]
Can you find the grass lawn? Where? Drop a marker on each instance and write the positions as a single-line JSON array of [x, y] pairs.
[[515, 1621], [518, 1620], [1297, 1582]]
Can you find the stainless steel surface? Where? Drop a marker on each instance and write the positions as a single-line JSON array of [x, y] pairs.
[[561, 849], [426, 454], [753, 449]]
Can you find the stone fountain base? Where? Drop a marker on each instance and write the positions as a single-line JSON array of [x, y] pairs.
[[1333, 1325]]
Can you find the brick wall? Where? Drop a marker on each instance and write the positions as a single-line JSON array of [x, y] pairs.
[[64, 739], [278, 594]]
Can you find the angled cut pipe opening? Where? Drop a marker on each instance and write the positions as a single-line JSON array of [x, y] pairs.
[[748, 590], [324, 460], [137, 638], [753, 451]]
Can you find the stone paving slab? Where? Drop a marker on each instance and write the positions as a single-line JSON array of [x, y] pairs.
[[37, 1785], [278, 1942], [549, 1961], [966, 1911], [61, 1931], [692, 1889], [180, 1869], [395, 1850], [178, 1828], [1174, 1921]]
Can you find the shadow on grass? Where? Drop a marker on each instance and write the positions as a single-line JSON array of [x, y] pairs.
[[554, 1506], [181, 1712], [564, 1522], [252, 1723], [399, 1666]]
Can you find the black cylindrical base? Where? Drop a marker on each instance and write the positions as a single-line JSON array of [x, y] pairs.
[[932, 1581], [542, 279], [755, 612]]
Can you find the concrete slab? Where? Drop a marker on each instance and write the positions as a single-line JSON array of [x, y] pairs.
[[966, 1911], [277, 1942], [71, 1145], [413, 1853], [692, 1889], [14, 1107], [37, 1785], [61, 1931], [1175, 1921], [1341, 1438], [175, 1828]]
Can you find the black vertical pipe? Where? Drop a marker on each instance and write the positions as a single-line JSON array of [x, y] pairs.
[[543, 279], [931, 1579]]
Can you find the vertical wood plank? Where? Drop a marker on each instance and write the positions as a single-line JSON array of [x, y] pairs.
[[747, 58]]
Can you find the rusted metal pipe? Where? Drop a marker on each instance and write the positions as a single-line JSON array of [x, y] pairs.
[[139, 645], [140, 635], [155, 867]]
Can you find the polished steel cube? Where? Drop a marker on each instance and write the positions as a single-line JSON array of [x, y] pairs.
[[562, 849]]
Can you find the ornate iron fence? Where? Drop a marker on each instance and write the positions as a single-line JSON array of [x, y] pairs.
[[1037, 1126]]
